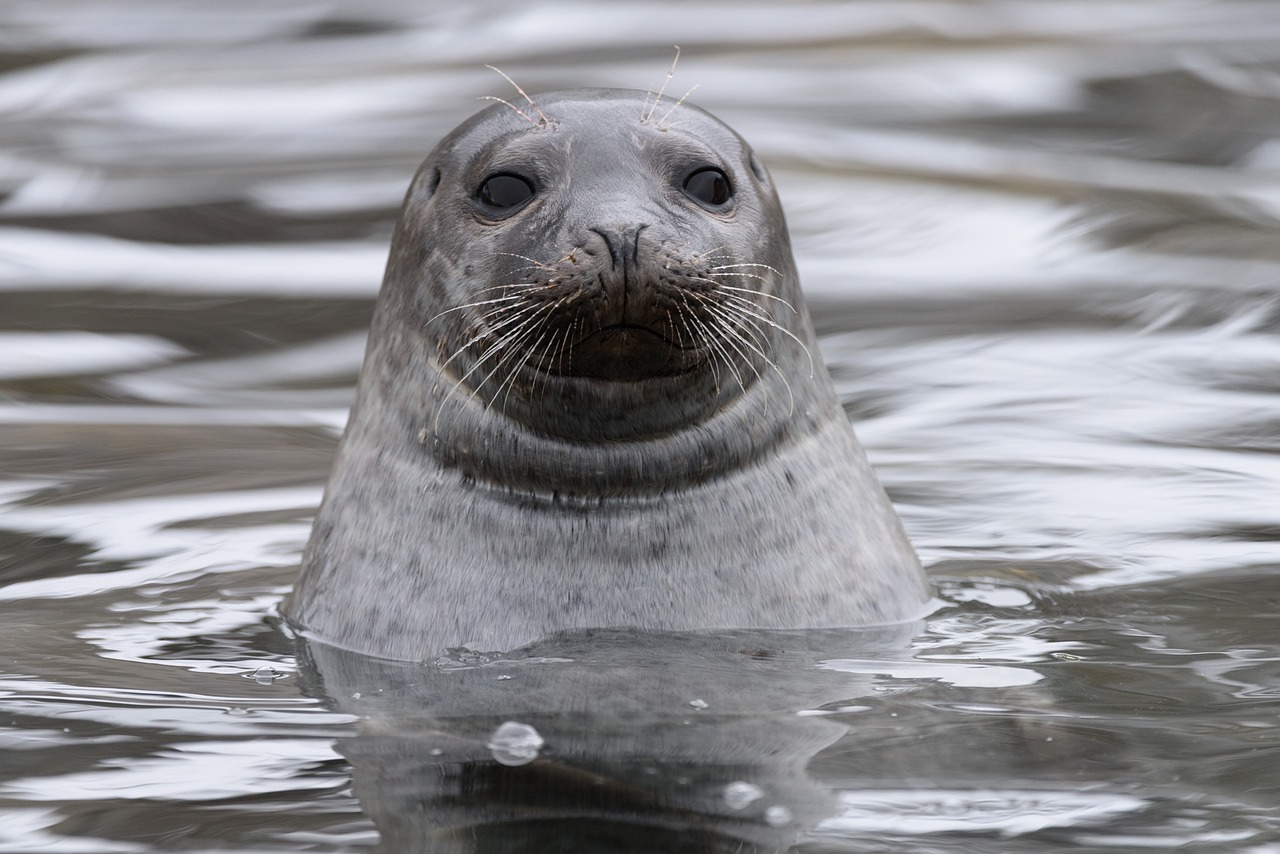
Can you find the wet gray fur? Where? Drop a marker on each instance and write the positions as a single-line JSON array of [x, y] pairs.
[[482, 506]]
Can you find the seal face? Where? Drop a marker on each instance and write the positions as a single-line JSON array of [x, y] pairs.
[[591, 398]]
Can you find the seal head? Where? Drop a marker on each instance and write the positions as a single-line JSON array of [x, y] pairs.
[[592, 398]]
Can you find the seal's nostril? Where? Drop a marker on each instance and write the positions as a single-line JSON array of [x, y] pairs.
[[610, 241], [635, 243]]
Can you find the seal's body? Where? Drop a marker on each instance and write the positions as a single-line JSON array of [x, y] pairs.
[[591, 398]]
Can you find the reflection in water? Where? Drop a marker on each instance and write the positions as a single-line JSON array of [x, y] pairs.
[[1039, 242], [679, 743], [743, 741], [639, 742]]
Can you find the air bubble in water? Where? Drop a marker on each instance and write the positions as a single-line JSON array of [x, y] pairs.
[[515, 744], [265, 675]]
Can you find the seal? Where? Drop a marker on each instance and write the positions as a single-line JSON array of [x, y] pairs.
[[592, 397]]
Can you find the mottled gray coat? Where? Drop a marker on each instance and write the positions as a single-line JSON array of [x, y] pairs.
[[524, 456]]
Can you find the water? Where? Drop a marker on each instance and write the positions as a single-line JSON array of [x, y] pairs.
[[1040, 244]]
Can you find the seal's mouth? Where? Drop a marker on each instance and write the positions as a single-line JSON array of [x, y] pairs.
[[624, 337], [626, 353]]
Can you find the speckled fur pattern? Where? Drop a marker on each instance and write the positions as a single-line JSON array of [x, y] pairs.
[[486, 507]]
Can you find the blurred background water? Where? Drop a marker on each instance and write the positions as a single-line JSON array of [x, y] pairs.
[[1041, 243]]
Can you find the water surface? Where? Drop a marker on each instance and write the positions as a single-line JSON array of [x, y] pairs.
[[1041, 245]]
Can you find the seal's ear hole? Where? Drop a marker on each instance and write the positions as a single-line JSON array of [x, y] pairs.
[[424, 187], [709, 186], [503, 193], [757, 168]]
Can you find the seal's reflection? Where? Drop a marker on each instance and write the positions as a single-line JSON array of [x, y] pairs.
[[653, 742]]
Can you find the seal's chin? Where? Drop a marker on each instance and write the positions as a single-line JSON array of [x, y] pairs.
[[626, 353]]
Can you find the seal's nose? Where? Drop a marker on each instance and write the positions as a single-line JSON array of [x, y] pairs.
[[623, 281], [623, 243]]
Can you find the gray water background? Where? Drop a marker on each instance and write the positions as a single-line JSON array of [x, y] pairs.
[[1041, 244]]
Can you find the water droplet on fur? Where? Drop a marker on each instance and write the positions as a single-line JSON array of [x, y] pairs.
[[777, 816]]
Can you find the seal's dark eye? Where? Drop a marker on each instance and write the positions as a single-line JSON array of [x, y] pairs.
[[505, 192], [709, 186]]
